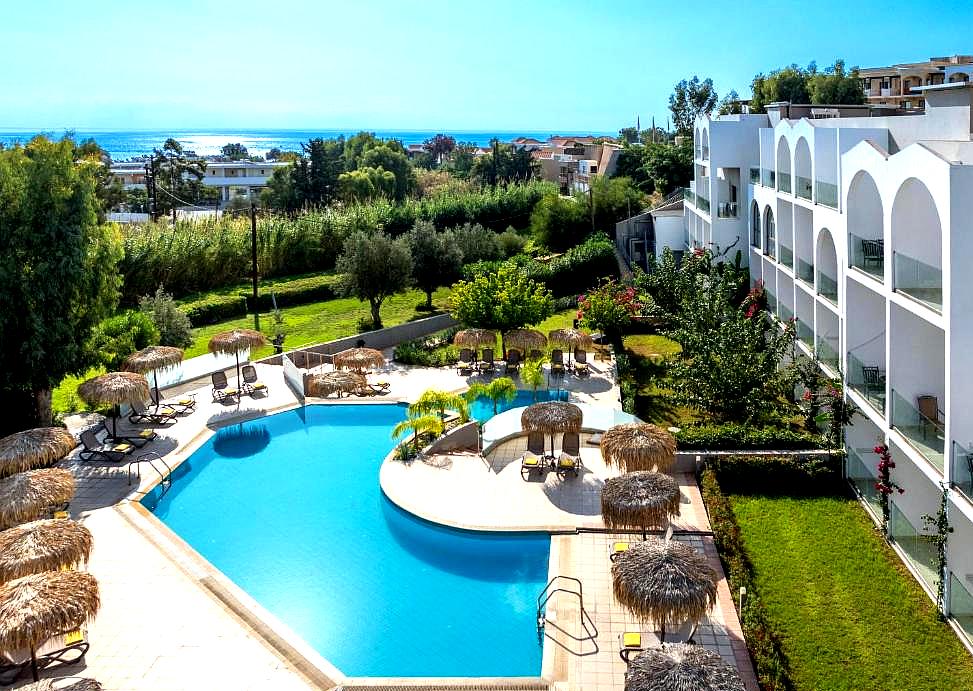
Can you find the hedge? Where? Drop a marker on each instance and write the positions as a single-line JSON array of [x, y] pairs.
[[214, 308], [734, 437], [763, 642], [790, 475]]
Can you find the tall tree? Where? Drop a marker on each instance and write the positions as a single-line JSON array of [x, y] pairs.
[[461, 162], [108, 188], [836, 86], [730, 105], [389, 157], [366, 183], [235, 151], [435, 260], [356, 146], [374, 267], [689, 100], [58, 275], [439, 147], [628, 135], [178, 176]]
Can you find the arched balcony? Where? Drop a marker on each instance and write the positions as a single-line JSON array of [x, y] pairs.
[[826, 265], [783, 166], [770, 233], [705, 145], [755, 225], [866, 238], [697, 143], [802, 170], [917, 241]]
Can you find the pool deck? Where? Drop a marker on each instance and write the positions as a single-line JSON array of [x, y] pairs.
[[169, 620]]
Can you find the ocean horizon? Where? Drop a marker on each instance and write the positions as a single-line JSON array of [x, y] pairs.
[[125, 144]]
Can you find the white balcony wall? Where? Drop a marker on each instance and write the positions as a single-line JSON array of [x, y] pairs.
[[916, 227], [825, 143], [958, 306], [768, 149], [917, 356], [865, 334]]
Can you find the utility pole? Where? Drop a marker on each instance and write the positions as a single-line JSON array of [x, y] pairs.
[[496, 155], [591, 202], [253, 262]]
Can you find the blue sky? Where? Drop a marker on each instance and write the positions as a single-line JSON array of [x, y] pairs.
[[433, 64]]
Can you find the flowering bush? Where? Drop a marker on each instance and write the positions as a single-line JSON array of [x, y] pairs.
[[756, 300], [885, 485], [609, 308]]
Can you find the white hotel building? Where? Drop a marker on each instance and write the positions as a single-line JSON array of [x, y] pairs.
[[854, 225]]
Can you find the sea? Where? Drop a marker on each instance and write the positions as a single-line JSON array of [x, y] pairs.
[[126, 144]]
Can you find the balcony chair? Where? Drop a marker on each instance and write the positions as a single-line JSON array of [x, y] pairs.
[[873, 251], [930, 415], [874, 381]]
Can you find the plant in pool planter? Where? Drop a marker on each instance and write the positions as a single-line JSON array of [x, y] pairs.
[[500, 390], [417, 425], [438, 402], [532, 374], [940, 522], [885, 485]]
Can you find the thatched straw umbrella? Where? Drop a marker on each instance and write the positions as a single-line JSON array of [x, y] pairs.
[[34, 608], [681, 667], [475, 338], [34, 448], [29, 495], [334, 382], [45, 545], [152, 359], [76, 685], [638, 446], [639, 500], [358, 359], [115, 388], [666, 582], [525, 340], [551, 417], [236, 341], [570, 339]]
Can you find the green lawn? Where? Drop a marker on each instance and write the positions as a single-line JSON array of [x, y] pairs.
[[653, 402], [850, 615], [321, 321]]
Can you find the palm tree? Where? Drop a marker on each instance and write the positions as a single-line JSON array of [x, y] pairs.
[[434, 401], [532, 375], [418, 424], [501, 389]]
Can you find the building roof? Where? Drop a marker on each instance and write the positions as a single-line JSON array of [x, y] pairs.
[[930, 65]]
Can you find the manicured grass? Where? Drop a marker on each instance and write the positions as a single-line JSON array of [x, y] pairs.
[[64, 398], [850, 615], [651, 346], [321, 321], [653, 402]]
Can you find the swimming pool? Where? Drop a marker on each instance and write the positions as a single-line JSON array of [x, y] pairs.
[[289, 507], [481, 409]]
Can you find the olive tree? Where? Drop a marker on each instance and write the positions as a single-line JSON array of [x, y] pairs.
[[374, 267]]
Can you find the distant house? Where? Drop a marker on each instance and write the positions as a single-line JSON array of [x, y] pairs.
[[572, 162], [895, 85], [231, 177]]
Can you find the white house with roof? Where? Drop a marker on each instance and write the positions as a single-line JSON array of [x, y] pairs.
[[858, 228], [231, 177]]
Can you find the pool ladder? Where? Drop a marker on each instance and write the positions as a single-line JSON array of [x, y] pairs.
[[165, 478], [554, 586]]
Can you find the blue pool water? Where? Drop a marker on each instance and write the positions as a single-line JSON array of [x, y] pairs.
[[482, 408], [289, 507]]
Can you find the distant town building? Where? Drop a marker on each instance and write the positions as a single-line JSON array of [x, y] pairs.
[[894, 85], [572, 162], [231, 177]]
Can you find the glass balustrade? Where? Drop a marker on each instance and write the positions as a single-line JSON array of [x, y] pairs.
[[961, 605], [705, 152], [827, 353], [827, 287], [689, 196], [755, 176], [919, 548], [785, 313], [918, 280], [805, 334], [771, 301], [784, 182], [859, 462], [868, 255], [827, 194], [962, 470], [805, 271], [786, 256], [868, 380], [727, 210], [925, 430], [802, 187], [767, 177]]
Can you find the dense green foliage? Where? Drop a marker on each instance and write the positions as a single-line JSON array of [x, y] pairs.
[[117, 337], [435, 260], [373, 267], [657, 167], [731, 435], [57, 274], [688, 101], [172, 325], [833, 86], [504, 299], [608, 308]]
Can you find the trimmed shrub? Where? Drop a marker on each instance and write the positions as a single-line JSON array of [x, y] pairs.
[[215, 308], [733, 436], [790, 475], [298, 291]]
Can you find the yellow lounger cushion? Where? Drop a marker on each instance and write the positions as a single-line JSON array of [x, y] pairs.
[[124, 448], [631, 640], [185, 401], [531, 459], [566, 461], [258, 385], [619, 547], [61, 514], [147, 433], [230, 392], [72, 637]]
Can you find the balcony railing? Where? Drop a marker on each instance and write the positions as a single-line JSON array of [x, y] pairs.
[[827, 287], [771, 301], [805, 334], [805, 271], [868, 255], [918, 280], [786, 256], [705, 153], [784, 182], [689, 196], [924, 431], [727, 210], [827, 353], [862, 478], [827, 194], [919, 548], [784, 313], [767, 177], [961, 606], [961, 471], [770, 246], [868, 380], [702, 203], [802, 188], [755, 176]]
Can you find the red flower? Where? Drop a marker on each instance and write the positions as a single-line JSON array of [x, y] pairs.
[[807, 395]]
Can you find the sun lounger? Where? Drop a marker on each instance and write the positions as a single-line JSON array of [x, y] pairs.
[[618, 548], [137, 440], [557, 361], [465, 362], [221, 388], [513, 362], [141, 415], [66, 649], [486, 364], [570, 459], [96, 450], [629, 644], [581, 362], [251, 384], [533, 458], [183, 405]]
